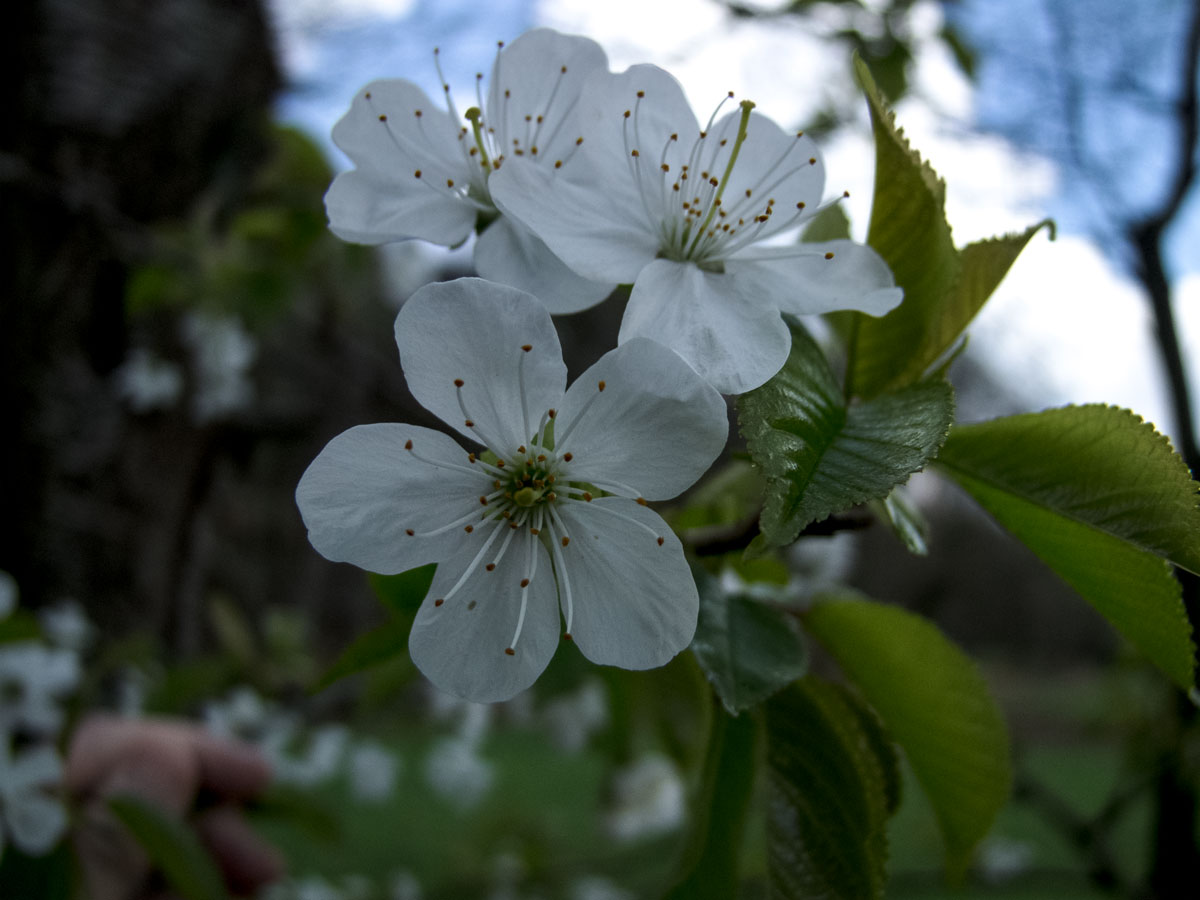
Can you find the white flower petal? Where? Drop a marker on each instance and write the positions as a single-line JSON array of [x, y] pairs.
[[510, 254], [364, 490], [800, 280], [596, 227], [460, 645], [656, 426], [383, 199], [610, 136], [534, 85], [771, 164], [474, 331], [364, 209], [720, 324], [634, 600]]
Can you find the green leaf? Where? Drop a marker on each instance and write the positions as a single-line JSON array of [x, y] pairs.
[[748, 650], [172, 847], [300, 808], [1102, 499], [830, 796], [382, 645], [402, 594], [934, 703], [820, 456], [943, 287], [830, 224], [710, 862], [233, 632], [22, 625]]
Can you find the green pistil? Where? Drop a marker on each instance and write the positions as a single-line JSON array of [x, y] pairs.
[[746, 105], [526, 496], [473, 115]]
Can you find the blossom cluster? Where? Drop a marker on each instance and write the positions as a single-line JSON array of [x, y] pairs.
[[575, 180], [36, 676]]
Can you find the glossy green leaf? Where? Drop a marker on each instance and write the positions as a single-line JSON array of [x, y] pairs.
[[173, 848], [934, 703], [943, 287], [709, 867], [747, 649], [1102, 499], [819, 455], [830, 795], [381, 645]]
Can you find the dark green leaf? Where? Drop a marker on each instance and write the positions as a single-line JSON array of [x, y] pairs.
[[748, 650], [49, 877], [172, 847], [710, 862], [300, 808], [402, 594], [385, 643], [1102, 499], [820, 456], [830, 796], [934, 703], [20, 626]]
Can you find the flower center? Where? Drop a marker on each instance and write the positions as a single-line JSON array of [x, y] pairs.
[[519, 508], [685, 195]]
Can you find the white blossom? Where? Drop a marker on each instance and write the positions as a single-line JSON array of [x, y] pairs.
[[373, 770], [556, 519], [222, 354], [147, 382], [423, 172], [648, 799], [34, 679], [682, 212], [31, 816]]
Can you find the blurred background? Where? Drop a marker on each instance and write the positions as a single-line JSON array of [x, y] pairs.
[[180, 335]]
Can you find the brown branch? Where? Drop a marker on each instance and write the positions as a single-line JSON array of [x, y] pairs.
[[1146, 237]]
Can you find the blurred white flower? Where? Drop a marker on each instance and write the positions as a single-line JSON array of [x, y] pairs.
[[322, 756], [1002, 859], [296, 757], [66, 625], [131, 688], [8, 594], [405, 887], [373, 770], [147, 382], [34, 679], [244, 715], [575, 717], [457, 772], [31, 817], [314, 887], [594, 887], [648, 799], [222, 354]]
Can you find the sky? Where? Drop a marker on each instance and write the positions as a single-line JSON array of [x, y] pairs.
[[1066, 326]]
